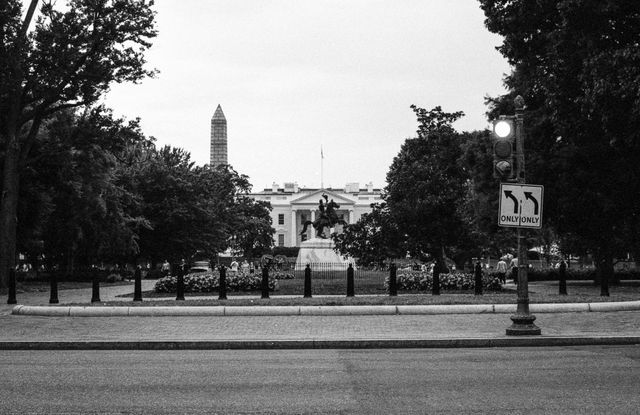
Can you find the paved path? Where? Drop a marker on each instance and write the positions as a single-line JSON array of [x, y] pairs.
[[447, 330]]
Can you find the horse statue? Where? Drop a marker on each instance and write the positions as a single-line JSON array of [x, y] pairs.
[[328, 218]]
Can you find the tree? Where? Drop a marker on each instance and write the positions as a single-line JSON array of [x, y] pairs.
[[74, 207], [68, 60], [373, 239], [195, 209], [252, 232], [577, 63], [427, 186], [93, 216]]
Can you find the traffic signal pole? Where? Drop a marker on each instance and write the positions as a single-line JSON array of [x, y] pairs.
[[522, 319]]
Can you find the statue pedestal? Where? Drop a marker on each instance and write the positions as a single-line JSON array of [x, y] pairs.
[[320, 251]]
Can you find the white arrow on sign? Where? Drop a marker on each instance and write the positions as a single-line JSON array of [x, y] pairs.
[[521, 205]]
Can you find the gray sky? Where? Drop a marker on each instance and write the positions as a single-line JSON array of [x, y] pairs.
[[292, 75]]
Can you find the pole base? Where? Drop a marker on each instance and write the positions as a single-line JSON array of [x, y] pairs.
[[523, 326]]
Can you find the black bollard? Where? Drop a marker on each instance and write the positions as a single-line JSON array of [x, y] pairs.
[[307, 281], [53, 282], [563, 278], [12, 287], [393, 283], [265, 282], [137, 284], [350, 287], [222, 289], [478, 278], [179, 283], [435, 288], [95, 288]]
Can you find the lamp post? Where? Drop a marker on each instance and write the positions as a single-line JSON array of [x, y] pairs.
[[522, 319]]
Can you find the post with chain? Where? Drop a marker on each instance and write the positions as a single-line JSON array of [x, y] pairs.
[[179, 271], [265, 282], [307, 281], [12, 287], [222, 290], [137, 284], [393, 282], [53, 283], [563, 278], [522, 319], [478, 278], [95, 287], [350, 282]]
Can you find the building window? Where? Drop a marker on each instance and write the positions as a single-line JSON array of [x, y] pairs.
[[280, 218], [303, 218], [280, 239]]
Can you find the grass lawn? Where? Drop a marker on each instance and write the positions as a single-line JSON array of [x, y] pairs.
[[39, 286], [539, 292]]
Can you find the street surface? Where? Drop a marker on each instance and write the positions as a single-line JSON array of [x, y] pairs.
[[569, 380]]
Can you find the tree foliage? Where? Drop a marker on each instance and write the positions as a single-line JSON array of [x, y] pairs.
[[427, 186], [67, 60], [373, 239], [577, 64]]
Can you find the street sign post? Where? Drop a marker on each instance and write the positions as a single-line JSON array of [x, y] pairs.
[[521, 205]]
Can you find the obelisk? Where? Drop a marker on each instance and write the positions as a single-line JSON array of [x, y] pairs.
[[218, 138]]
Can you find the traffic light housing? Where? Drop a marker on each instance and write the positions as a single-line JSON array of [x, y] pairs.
[[503, 134]]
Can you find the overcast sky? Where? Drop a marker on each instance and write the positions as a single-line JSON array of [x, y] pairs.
[[294, 75]]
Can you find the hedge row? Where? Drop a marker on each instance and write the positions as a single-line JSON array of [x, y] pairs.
[[578, 274], [204, 282], [423, 281]]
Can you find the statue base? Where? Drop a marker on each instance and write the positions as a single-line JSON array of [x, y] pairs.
[[320, 251]]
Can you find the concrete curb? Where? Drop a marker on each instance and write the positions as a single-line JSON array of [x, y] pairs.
[[209, 311], [525, 341]]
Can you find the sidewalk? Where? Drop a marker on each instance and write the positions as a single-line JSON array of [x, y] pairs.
[[300, 331]]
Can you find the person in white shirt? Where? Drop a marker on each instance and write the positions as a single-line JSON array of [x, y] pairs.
[[501, 270]]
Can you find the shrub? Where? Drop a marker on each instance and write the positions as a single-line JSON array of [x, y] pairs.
[[111, 278], [423, 281], [284, 275], [204, 282], [154, 274], [579, 274], [288, 251]]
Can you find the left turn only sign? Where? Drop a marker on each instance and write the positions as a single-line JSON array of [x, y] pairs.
[[521, 205]]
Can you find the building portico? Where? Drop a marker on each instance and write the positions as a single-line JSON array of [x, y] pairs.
[[293, 206]]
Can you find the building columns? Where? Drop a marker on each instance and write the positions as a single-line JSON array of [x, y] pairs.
[[350, 216], [294, 231]]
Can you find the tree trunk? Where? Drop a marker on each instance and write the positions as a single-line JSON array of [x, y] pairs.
[[9, 211]]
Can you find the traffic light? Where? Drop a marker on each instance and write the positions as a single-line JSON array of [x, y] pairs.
[[503, 133]]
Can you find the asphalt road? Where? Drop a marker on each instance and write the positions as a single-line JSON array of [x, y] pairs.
[[513, 380]]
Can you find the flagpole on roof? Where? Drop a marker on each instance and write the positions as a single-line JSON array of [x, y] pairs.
[[321, 168]]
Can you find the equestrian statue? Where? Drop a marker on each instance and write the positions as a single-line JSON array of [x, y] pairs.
[[328, 218]]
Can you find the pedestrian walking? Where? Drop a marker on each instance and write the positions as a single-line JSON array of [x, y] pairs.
[[501, 270], [514, 270]]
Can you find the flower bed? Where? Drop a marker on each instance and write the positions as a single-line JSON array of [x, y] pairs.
[[203, 282], [423, 281]]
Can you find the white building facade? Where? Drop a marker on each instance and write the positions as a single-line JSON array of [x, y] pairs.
[[293, 206]]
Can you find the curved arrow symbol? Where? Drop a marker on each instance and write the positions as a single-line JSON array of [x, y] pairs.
[[509, 194], [528, 195]]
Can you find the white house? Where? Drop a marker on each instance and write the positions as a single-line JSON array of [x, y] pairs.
[[293, 206]]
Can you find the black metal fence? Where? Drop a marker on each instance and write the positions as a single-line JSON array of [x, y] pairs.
[[332, 278]]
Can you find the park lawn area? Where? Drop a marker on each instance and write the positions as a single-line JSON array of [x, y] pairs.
[[39, 286], [539, 292]]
